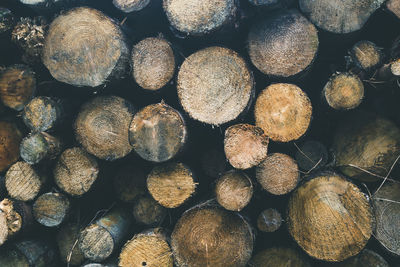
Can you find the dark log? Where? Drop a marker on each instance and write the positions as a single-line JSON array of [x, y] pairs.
[[365, 258], [283, 111], [7, 19], [330, 218], [67, 242], [208, 98], [39, 146], [390, 71], [213, 162], [10, 138], [129, 183], [51, 209], [279, 257], [147, 211], [269, 220], [366, 56], [130, 5], [311, 155]]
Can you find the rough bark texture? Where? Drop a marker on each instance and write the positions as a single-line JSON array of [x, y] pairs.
[[10, 138], [67, 242], [279, 257], [129, 183], [312, 155], [51, 209], [130, 5], [147, 211], [39, 146], [269, 220]]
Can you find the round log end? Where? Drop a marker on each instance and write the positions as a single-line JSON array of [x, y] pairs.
[[34, 148], [279, 257], [269, 220], [366, 55], [51, 209], [147, 211], [128, 6], [42, 114], [96, 243]]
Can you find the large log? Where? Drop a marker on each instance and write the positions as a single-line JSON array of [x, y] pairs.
[[365, 258]]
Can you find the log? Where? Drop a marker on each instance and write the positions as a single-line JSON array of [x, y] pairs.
[[129, 183], [100, 239], [48, 7], [213, 162], [283, 45], [208, 98], [394, 7], [7, 20], [158, 132], [279, 257], [17, 86], [245, 145], [339, 16], [128, 6], [195, 18], [211, 236], [283, 111], [29, 36], [75, 171], [102, 127], [390, 71], [343, 91], [269, 220], [51, 209], [147, 211], [311, 155], [366, 56], [10, 138], [23, 182], [84, 47], [278, 174], [43, 113], [272, 4], [234, 190], [171, 184], [386, 207], [365, 258], [39, 146], [365, 146], [149, 248], [330, 218], [67, 242], [153, 63]]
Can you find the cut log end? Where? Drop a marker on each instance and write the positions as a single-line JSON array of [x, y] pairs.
[[283, 111], [51, 209], [67, 244], [366, 55], [147, 211], [128, 6], [234, 190], [18, 217], [279, 257], [269, 220], [38, 146], [10, 139], [365, 258], [158, 133], [129, 183], [208, 98], [171, 184]]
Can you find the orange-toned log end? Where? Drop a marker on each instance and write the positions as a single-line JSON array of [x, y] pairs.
[[84, 47], [17, 86], [330, 218], [158, 132], [283, 111], [279, 257], [234, 190], [10, 139], [51, 209], [365, 258], [245, 145], [344, 91], [215, 85], [67, 242], [129, 183], [366, 55], [147, 211], [102, 127], [278, 174], [365, 146], [211, 236], [269, 220], [149, 249], [394, 7], [387, 214], [130, 5], [283, 45], [171, 184], [75, 171], [153, 63]]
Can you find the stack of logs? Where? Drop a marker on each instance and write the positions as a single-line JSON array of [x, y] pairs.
[[199, 133]]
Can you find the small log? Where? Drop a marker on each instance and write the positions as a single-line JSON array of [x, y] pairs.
[[43, 113], [128, 6], [394, 7], [153, 63], [272, 4], [390, 71], [245, 145], [48, 7], [39, 146], [102, 127], [75, 171], [283, 111], [365, 146], [129, 183], [51, 209], [17, 86], [10, 138], [339, 16], [269, 220], [211, 236], [171, 184], [234, 190], [158, 132], [109, 263], [204, 95], [365, 258], [100, 239], [311, 155], [147, 211], [7, 20], [29, 36], [279, 257], [67, 242], [283, 45], [343, 91], [84, 47], [278, 174], [149, 248], [213, 162], [192, 17], [330, 218], [366, 56], [23, 182]]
